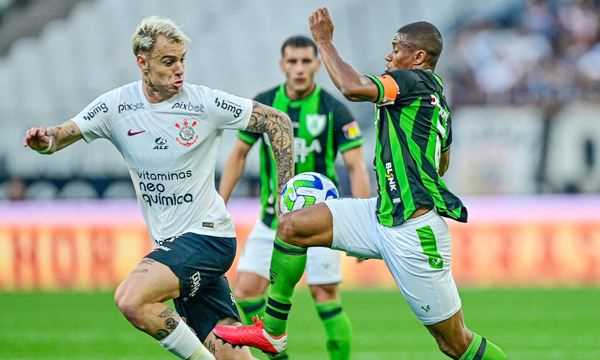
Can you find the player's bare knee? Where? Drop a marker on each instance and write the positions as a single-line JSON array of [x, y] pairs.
[[288, 230], [119, 293], [131, 310], [323, 293], [132, 313], [246, 292], [285, 230], [130, 306], [250, 285], [240, 293]]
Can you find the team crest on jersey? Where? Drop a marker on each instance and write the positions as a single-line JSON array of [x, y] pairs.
[[315, 123], [187, 135]]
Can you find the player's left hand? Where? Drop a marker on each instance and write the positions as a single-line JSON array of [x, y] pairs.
[[321, 25]]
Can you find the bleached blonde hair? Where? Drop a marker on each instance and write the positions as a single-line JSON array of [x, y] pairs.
[[150, 28]]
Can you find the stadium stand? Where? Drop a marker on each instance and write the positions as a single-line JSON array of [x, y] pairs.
[[533, 51], [513, 54]]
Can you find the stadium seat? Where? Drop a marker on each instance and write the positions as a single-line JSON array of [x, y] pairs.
[[119, 190], [41, 190], [77, 190]]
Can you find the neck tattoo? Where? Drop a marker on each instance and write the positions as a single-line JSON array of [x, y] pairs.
[[152, 91]]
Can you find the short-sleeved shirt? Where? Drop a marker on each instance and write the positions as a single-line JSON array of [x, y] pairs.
[[170, 149], [413, 124], [323, 127]]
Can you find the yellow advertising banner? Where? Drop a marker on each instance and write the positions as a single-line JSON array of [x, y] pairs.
[[91, 256]]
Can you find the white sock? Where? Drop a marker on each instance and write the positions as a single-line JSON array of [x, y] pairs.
[[183, 343]]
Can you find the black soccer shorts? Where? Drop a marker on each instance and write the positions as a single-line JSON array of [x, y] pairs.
[[200, 263]]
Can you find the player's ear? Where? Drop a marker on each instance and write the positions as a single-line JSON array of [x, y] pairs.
[[142, 62], [420, 57], [281, 64]]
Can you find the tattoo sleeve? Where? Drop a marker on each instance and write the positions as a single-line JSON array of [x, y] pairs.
[[278, 128]]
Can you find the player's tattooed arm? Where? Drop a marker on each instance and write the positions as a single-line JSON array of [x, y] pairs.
[[352, 84], [278, 127], [50, 140]]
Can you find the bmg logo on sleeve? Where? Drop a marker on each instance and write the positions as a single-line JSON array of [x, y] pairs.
[[95, 110], [229, 106]]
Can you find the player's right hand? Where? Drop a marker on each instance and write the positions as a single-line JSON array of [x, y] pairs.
[[38, 139]]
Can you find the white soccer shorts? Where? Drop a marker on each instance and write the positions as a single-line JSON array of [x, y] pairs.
[[322, 264], [417, 253]]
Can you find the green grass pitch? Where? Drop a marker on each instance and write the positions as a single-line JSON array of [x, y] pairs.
[[530, 324]]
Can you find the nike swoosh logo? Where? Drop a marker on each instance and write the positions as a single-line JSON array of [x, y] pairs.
[[133, 133]]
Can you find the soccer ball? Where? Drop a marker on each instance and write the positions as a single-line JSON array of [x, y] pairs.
[[306, 189]]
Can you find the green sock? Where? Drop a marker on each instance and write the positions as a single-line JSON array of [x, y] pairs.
[[249, 308], [287, 267], [482, 349], [338, 329]]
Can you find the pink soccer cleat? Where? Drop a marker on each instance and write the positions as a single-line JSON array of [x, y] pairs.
[[251, 335]]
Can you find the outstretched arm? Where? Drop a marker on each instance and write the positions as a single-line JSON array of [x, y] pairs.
[[50, 140], [278, 127], [353, 85]]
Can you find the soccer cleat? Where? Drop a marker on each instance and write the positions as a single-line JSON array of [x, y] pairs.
[[251, 335]]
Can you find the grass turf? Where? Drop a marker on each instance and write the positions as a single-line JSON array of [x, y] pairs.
[[540, 324]]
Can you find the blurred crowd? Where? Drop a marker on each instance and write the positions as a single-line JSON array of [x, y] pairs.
[[534, 51], [541, 53]]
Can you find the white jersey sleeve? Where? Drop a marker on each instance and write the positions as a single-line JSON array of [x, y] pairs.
[[95, 120], [228, 111]]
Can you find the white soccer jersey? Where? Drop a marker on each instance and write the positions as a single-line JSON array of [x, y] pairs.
[[170, 149]]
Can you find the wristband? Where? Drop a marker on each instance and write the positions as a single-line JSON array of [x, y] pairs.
[[50, 148]]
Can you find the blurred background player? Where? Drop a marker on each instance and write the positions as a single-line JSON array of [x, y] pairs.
[[168, 132], [323, 127], [404, 225]]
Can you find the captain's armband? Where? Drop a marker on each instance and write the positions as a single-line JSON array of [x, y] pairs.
[[387, 89]]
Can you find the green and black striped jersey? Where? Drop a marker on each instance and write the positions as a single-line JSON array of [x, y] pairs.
[[323, 126], [413, 124]]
